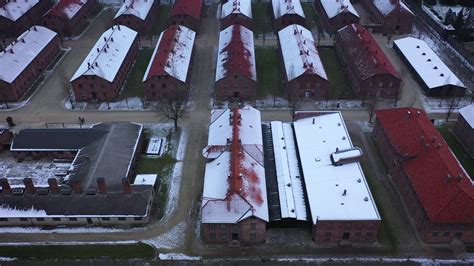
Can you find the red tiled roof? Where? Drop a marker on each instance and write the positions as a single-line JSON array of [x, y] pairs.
[[443, 187], [187, 7], [162, 54], [364, 52], [60, 7]]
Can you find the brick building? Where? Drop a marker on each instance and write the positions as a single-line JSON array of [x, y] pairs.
[[237, 12], [24, 60], [437, 191], [16, 16], [169, 71], [186, 13], [432, 73], [234, 202], [6, 137], [464, 129], [102, 74], [68, 17], [336, 14], [370, 72], [236, 74], [394, 15], [139, 15], [287, 12], [304, 72]]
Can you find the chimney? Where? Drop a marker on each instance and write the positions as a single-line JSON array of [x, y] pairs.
[[29, 186], [96, 64], [127, 188], [102, 186], [6, 189], [345, 192], [112, 39], [105, 39], [77, 186], [53, 185]]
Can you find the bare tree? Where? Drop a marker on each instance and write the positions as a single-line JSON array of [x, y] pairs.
[[173, 109], [66, 85]]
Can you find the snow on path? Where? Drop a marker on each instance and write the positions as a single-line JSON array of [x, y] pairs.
[[171, 239], [70, 230], [177, 256]]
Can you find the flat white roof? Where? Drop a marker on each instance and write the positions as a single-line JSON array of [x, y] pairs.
[[335, 7], [156, 146], [299, 51], [284, 7], [19, 54], [243, 7], [13, 10], [468, 113], [387, 6], [137, 8], [426, 63], [317, 137], [107, 55], [148, 179]]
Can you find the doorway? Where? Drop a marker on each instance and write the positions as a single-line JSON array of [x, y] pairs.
[[346, 236], [235, 236]]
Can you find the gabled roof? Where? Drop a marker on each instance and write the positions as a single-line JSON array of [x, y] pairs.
[[243, 7], [444, 189], [431, 69], [467, 113], [137, 8], [364, 53], [19, 54], [172, 53], [388, 6], [187, 7], [236, 54], [336, 7], [300, 54], [107, 55], [287, 7], [13, 10], [66, 8]]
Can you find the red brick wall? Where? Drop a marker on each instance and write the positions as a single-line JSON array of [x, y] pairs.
[[249, 231], [43, 154], [165, 87], [226, 87], [30, 18], [297, 87], [465, 134], [69, 27], [5, 137], [445, 233], [353, 231], [236, 19], [286, 20], [185, 20], [398, 22]]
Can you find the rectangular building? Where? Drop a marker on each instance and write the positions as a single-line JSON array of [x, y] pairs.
[[20, 15], [394, 15], [464, 129], [335, 14], [24, 60], [68, 17], [286, 13], [186, 13], [237, 12], [139, 15]]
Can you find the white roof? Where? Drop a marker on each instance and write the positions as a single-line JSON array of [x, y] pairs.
[[137, 8], [335, 7], [71, 8], [179, 42], [107, 55], [468, 113], [243, 7], [25, 49], [148, 179], [387, 6], [156, 146], [14, 10], [427, 64], [284, 7], [289, 178], [236, 44], [317, 137], [299, 52]]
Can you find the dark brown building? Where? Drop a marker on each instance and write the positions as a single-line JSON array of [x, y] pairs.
[[68, 17], [464, 129], [5, 138], [236, 74], [169, 70], [237, 12], [370, 72], [139, 15], [24, 60], [186, 13], [437, 191], [102, 74], [394, 16], [16, 16], [335, 14], [287, 12]]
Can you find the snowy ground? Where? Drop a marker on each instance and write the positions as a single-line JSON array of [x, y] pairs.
[[131, 103], [177, 256], [172, 239], [438, 105]]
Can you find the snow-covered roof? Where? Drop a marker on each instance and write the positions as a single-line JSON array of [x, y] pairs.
[[13, 10], [19, 54], [156, 146], [299, 51], [137, 8], [236, 54], [243, 7], [468, 113], [107, 55], [289, 178], [335, 7], [148, 179], [287, 7], [387, 6], [67, 8], [334, 192], [426, 63], [172, 53]]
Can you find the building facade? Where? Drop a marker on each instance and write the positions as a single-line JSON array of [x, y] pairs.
[[68, 17], [287, 13], [394, 16], [464, 128], [186, 13], [237, 12], [24, 60], [336, 14], [18, 16], [6, 137], [138, 15]]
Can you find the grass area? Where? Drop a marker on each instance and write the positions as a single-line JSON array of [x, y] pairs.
[[312, 18], [268, 74], [160, 165], [262, 17], [162, 21], [456, 147], [134, 85], [139, 250], [338, 82]]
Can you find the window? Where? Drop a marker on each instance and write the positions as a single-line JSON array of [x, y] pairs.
[[380, 84], [152, 86], [40, 219], [212, 226], [73, 219], [253, 236], [121, 218], [346, 236], [435, 234], [163, 85], [446, 234], [223, 236], [3, 219], [253, 226], [222, 226], [369, 234], [23, 219], [106, 219], [328, 234], [212, 235], [80, 86], [458, 235], [137, 218], [390, 84], [234, 226], [56, 219]]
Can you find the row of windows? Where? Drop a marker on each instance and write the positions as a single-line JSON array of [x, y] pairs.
[[446, 234], [223, 236], [253, 226]]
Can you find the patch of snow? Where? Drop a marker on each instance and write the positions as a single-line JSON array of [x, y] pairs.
[[467, 113], [243, 7], [139, 9], [285, 7], [335, 7], [387, 6], [67, 8], [439, 105], [173, 238], [177, 256], [7, 259], [132, 103], [13, 10], [69, 230]]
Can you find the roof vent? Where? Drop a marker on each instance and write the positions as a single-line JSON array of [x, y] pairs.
[[366, 199], [417, 46], [435, 67], [441, 75], [359, 180], [423, 54], [345, 192]]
